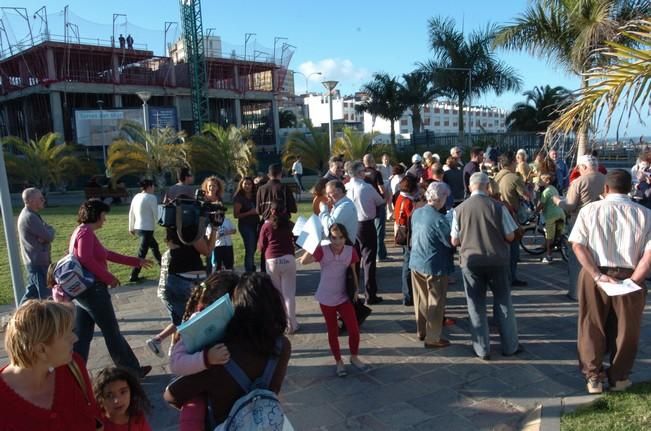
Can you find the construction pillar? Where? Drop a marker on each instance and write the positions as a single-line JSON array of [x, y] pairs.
[[56, 113], [238, 112], [116, 68], [51, 65], [236, 77], [276, 120], [117, 100]]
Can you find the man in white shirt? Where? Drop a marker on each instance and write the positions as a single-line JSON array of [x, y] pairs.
[[143, 214], [366, 200], [612, 240], [297, 171], [343, 209]]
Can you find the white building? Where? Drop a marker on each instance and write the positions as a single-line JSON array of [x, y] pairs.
[[343, 109]]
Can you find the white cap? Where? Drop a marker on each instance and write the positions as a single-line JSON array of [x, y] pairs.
[[416, 158], [588, 160]]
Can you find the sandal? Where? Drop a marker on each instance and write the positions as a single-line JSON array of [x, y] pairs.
[[341, 370], [360, 366]]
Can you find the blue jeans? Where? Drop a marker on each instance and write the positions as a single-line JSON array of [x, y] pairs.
[[249, 235], [573, 268], [380, 222], [476, 280], [175, 296], [515, 256], [406, 276], [36, 283], [94, 306]]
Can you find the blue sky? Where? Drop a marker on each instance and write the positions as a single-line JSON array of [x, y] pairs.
[[345, 40]]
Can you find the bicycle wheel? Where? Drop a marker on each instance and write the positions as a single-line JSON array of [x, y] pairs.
[[533, 240], [564, 247]]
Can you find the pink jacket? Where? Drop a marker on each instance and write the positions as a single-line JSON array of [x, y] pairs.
[[183, 363]]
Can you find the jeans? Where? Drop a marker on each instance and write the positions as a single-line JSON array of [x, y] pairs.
[[176, 294], [94, 306], [406, 276], [515, 256], [36, 283], [380, 228], [476, 280], [249, 235], [298, 177], [222, 258], [147, 241], [573, 268]]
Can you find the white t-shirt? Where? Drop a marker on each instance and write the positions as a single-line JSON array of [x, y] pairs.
[[225, 239], [143, 212], [297, 168]]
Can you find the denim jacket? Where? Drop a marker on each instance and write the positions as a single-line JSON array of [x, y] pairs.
[[431, 252]]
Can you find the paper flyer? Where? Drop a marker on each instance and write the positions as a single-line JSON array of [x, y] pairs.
[[312, 233]]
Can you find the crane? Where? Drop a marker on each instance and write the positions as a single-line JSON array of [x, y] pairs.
[[195, 56]]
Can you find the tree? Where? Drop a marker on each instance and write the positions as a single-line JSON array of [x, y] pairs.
[[567, 32], [383, 100], [287, 119], [353, 144], [415, 92], [626, 81], [43, 162], [150, 153], [313, 147], [541, 107], [464, 68], [225, 151]]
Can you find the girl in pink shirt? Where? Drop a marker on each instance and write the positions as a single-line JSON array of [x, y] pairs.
[[183, 363], [331, 294]]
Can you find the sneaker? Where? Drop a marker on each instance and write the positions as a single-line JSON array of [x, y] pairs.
[[547, 259], [620, 385], [519, 283], [144, 370], [341, 370], [374, 300], [156, 347], [595, 386]]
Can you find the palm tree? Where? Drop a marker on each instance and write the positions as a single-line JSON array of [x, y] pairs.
[[353, 144], [542, 106], [464, 68], [383, 100], [153, 154], [567, 32], [225, 151], [313, 147], [43, 162], [626, 81], [415, 92]]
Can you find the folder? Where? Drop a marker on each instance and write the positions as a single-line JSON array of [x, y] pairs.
[[207, 327]]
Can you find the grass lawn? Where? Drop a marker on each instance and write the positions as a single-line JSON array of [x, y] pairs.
[[624, 411], [114, 235]]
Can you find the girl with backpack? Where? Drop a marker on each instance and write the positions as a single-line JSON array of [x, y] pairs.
[[183, 363], [122, 399], [332, 295], [254, 336]]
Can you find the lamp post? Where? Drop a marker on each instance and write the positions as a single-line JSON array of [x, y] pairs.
[[100, 103], [307, 77], [145, 96], [330, 86]]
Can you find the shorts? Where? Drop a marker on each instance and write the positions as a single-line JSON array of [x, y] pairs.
[[553, 228]]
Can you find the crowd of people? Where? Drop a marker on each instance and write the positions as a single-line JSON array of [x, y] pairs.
[[438, 207]]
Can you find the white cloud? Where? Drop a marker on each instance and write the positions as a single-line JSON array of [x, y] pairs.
[[342, 70]]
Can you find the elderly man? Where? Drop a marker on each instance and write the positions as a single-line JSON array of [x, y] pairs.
[[456, 153], [483, 228], [335, 169], [430, 262], [366, 200], [36, 238], [584, 190], [343, 210], [512, 190], [612, 241]]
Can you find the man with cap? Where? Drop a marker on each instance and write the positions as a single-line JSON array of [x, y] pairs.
[[482, 228], [584, 190], [416, 170]]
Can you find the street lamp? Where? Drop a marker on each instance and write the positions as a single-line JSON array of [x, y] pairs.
[[307, 77], [330, 86], [145, 96], [100, 103]]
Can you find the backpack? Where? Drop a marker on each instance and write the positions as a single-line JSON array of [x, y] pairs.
[[259, 408], [71, 277]]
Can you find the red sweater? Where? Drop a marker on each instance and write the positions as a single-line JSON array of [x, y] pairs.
[[69, 412], [406, 206], [93, 256], [274, 243], [138, 423]]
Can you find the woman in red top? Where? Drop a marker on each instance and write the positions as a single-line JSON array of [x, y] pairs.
[[94, 305], [403, 208], [39, 389]]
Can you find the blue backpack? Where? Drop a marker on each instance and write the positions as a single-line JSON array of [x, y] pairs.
[[71, 277], [259, 408]]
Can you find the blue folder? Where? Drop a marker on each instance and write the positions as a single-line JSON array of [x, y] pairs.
[[207, 327]]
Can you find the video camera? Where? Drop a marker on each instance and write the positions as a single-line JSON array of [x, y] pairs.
[[185, 212]]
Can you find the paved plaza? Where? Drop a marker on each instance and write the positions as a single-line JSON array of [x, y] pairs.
[[408, 387]]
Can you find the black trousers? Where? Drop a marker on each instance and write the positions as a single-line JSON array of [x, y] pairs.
[[367, 246], [147, 241]]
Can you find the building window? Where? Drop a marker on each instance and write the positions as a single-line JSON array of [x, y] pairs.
[[404, 130], [437, 110], [446, 111], [455, 112], [426, 122], [454, 124], [446, 123], [437, 123], [403, 122], [426, 109]]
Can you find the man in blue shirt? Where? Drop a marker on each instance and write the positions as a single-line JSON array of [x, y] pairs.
[[562, 173]]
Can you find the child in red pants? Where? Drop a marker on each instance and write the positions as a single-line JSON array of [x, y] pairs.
[[331, 294]]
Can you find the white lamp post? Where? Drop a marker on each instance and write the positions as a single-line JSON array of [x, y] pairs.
[[145, 96], [330, 86]]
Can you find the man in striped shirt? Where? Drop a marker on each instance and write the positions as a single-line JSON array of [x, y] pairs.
[[612, 240]]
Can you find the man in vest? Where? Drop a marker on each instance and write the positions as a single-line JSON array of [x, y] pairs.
[[483, 229]]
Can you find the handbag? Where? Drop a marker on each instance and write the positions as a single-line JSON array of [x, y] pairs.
[[74, 369], [361, 310], [402, 230], [352, 281]]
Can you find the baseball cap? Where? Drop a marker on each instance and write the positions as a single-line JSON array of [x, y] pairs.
[[416, 158], [479, 178], [587, 159]]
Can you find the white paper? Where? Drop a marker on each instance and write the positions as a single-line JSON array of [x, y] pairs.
[[298, 226], [310, 237], [616, 289]]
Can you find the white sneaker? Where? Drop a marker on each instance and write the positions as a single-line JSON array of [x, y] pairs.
[[156, 347], [595, 386], [547, 259]]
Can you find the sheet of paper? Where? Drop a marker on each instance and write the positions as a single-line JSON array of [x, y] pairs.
[[616, 289], [298, 225], [311, 235]]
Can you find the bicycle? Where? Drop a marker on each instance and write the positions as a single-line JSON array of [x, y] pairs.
[[533, 238]]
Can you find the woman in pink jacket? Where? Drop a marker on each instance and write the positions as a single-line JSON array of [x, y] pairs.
[[94, 306]]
